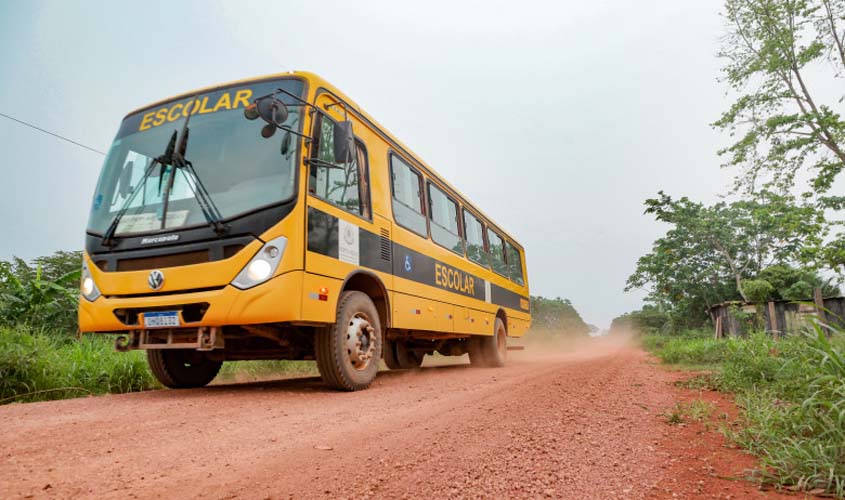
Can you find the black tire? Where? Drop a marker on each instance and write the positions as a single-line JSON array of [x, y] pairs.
[[182, 368], [339, 366], [398, 355], [388, 348], [408, 358], [489, 351]]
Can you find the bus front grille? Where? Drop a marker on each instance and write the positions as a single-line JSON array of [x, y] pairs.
[[162, 261], [147, 260]]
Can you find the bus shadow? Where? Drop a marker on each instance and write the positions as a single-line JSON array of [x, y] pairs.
[[303, 384]]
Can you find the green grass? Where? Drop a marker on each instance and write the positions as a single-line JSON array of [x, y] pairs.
[[245, 371], [693, 349], [35, 365], [791, 395], [696, 410]]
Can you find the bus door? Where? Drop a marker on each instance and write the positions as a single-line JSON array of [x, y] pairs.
[[343, 234]]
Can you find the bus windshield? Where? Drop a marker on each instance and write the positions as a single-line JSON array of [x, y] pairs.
[[241, 170]]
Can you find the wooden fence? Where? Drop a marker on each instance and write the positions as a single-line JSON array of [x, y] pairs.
[[778, 317]]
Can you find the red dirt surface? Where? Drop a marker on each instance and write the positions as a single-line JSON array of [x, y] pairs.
[[586, 423]]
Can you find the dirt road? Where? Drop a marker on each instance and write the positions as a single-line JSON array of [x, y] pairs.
[[580, 424]]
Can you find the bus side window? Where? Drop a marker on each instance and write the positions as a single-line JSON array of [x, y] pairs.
[[443, 213], [474, 232], [346, 185], [514, 264], [497, 252], [408, 206]]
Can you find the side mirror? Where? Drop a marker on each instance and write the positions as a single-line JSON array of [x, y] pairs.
[[344, 142], [271, 110]]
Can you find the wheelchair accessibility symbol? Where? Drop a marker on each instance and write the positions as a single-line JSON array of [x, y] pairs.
[[408, 264]]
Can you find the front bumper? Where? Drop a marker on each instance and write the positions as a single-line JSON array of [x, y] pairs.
[[277, 300]]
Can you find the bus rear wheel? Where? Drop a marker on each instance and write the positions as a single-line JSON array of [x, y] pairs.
[[182, 368], [348, 352], [400, 355], [489, 351]]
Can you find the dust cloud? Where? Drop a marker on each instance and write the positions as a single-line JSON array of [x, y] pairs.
[[549, 346]]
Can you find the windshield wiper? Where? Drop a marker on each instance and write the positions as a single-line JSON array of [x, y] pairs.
[[209, 209], [164, 159]]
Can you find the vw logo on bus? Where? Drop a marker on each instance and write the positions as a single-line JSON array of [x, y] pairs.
[[156, 279]]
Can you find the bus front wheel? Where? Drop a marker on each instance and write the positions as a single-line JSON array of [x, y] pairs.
[[182, 368], [489, 351], [349, 351]]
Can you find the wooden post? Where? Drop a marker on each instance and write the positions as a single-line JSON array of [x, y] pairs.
[[819, 301], [773, 321], [719, 326]]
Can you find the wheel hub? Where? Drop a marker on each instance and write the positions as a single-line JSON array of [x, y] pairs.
[[360, 344]]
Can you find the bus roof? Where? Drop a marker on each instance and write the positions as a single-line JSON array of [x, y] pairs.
[[317, 81]]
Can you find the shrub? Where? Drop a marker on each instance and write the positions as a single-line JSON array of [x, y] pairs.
[[758, 290], [44, 295]]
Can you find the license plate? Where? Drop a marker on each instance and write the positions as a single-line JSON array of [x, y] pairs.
[[161, 319]]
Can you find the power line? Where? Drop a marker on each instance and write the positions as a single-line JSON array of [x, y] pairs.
[[51, 133]]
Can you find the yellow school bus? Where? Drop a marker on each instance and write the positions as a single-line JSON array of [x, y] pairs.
[[272, 218]]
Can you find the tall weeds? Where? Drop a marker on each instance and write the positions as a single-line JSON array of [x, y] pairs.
[[791, 393], [793, 403], [37, 366]]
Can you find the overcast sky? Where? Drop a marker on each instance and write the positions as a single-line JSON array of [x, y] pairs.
[[556, 118]]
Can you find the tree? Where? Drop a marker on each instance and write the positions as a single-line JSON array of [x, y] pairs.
[[758, 290], [649, 319], [783, 124], [704, 258], [793, 283], [558, 315]]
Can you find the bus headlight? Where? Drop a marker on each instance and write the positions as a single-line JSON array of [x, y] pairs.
[[88, 287], [258, 270], [263, 265]]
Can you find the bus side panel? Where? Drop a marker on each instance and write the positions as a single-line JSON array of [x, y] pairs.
[[317, 308], [414, 313], [446, 317], [270, 302], [474, 322], [517, 327]]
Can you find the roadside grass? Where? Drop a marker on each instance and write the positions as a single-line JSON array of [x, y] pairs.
[[36, 365], [39, 365], [250, 371], [693, 349], [791, 396], [696, 410]]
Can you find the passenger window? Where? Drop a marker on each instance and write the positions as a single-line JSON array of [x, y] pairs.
[[407, 197], [345, 185], [474, 232], [514, 264], [443, 212], [497, 252]]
